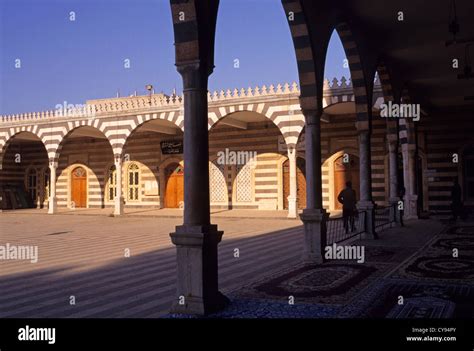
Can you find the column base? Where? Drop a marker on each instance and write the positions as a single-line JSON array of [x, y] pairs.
[[292, 207], [369, 224], [197, 274], [410, 207], [119, 205], [315, 235], [395, 213], [52, 205]]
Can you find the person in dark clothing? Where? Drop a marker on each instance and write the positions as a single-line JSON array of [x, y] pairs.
[[347, 198], [456, 196], [401, 195]]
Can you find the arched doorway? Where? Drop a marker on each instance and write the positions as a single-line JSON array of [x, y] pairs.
[[79, 187], [346, 168], [174, 196], [300, 182]]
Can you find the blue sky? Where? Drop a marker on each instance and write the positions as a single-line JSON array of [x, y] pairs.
[[73, 61]]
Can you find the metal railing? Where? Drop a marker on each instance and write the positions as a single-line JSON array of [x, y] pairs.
[[336, 232], [384, 216]]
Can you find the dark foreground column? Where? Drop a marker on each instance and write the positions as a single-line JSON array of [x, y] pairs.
[[314, 216], [393, 172], [196, 240], [365, 203]]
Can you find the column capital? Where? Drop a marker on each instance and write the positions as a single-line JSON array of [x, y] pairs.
[[364, 135], [195, 74], [392, 145], [53, 164], [312, 116], [118, 159], [362, 126]]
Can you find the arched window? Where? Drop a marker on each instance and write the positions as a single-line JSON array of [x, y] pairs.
[[217, 183], [133, 182], [111, 183], [244, 186], [32, 184]]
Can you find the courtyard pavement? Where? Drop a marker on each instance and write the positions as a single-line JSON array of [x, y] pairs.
[[84, 258], [125, 267]]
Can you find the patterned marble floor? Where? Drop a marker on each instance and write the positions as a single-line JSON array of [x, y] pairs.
[[428, 281]]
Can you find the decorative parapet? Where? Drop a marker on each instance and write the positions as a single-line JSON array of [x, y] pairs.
[[132, 104]]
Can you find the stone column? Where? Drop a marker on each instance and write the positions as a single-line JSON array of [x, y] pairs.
[[409, 178], [119, 201], [314, 216], [365, 197], [293, 197], [53, 203], [393, 173], [196, 240]]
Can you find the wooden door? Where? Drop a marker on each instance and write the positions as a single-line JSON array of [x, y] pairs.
[[79, 187], [174, 195], [300, 183], [343, 172]]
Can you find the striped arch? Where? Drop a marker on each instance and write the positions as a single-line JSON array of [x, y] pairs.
[[357, 75], [337, 99], [288, 119], [304, 53], [185, 27], [7, 136], [56, 141], [133, 123], [388, 95], [407, 127]]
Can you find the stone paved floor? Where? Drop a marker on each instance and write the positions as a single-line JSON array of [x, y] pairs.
[[432, 282], [166, 213], [83, 256]]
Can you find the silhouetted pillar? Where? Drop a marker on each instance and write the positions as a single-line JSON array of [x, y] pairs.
[[53, 203], [409, 177], [293, 197], [196, 240], [119, 201], [314, 216], [393, 174], [366, 203]]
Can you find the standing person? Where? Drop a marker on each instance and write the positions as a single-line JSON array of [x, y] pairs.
[[456, 197], [347, 198], [401, 195]]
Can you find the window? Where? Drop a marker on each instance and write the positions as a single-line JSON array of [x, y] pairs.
[[32, 184], [112, 184], [133, 182], [243, 187]]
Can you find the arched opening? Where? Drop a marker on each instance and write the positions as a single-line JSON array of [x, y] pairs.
[[83, 155], [346, 169], [145, 168], [174, 194], [272, 47], [24, 173], [337, 64], [79, 187], [246, 148], [300, 182]]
